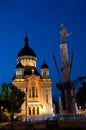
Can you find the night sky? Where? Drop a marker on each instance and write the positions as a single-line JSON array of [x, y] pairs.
[[41, 19]]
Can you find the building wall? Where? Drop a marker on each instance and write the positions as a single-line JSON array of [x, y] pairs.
[[46, 96], [38, 96]]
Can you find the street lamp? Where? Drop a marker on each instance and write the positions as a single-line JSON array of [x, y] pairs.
[[26, 106]]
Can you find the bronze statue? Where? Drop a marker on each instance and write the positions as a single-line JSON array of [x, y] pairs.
[[63, 33]]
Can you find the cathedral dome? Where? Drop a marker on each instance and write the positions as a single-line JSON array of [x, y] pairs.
[[26, 50]]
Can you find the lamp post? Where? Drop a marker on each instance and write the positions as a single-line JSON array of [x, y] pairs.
[[26, 107], [1, 113]]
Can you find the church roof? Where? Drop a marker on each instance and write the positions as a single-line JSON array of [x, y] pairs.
[[26, 50], [19, 65], [44, 65]]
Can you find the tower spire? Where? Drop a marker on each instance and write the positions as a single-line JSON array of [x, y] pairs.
[[26, 40]]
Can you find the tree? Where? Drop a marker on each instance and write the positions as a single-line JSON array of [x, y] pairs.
[[11, 99], [81, 96]]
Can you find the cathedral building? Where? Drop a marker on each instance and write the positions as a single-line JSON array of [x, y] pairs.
[[37, 86]]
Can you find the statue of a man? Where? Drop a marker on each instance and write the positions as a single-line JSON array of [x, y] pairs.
[[63, 33]]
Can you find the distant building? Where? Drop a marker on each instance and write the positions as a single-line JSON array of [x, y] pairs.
[[38, 87]]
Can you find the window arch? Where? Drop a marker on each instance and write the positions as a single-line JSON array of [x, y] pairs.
[[33, 91], [33, 110], [46, 98], [37, 110], [29, 110], [30, 93], [36, 93]]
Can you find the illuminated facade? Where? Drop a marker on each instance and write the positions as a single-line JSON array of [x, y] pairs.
[[38, 86]]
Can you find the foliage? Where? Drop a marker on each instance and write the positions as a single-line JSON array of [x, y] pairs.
[[81, 96], [11, 99], [16, 98]]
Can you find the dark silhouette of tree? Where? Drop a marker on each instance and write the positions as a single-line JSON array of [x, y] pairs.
[[11, 99], [81, 96]]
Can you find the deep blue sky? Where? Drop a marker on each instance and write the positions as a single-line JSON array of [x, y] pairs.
[[41, 19]]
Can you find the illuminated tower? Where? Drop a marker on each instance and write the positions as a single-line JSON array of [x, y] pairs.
[[67, 88], [46, 86]]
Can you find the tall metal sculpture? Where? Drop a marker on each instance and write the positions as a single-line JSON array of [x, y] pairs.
[[66, 85]]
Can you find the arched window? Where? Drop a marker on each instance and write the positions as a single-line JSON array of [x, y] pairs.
[[29, 110], [33, 110], [19, 73], [36, 93], [44, 73], [30, 93], [46, 98], [37, 110], [33, 92]]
